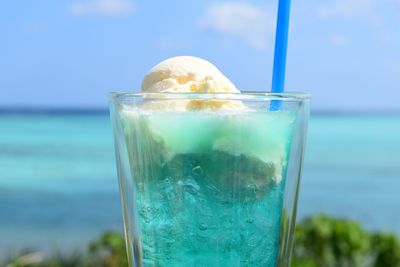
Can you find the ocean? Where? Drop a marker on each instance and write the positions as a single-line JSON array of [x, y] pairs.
[[59, 190]]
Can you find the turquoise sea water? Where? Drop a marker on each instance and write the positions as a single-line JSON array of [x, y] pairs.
[[58, 185]]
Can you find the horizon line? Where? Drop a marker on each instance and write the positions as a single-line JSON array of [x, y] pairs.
[[104, 111]]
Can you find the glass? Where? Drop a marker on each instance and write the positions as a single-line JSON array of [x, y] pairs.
[[209, 179]]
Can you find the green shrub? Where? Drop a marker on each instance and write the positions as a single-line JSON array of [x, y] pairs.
[[385, 249], [108, 251], [329, 242], [324, 241]]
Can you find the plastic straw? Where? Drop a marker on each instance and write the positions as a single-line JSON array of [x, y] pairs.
[[281, 41]]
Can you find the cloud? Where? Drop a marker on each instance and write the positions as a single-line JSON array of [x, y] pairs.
[[252, 24], [347, 8], [338, 40], [103, 7], [379, 15], [376, 12]]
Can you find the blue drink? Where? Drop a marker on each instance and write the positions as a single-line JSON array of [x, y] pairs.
[[203, 188]]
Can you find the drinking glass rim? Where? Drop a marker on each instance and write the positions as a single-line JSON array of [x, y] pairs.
[[245, 96]]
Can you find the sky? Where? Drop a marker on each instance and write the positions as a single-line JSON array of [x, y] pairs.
[[70, 54]]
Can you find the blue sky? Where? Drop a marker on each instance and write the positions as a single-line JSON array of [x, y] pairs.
[[69, 54]]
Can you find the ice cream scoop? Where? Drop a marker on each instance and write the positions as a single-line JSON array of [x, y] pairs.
[[185, 74]]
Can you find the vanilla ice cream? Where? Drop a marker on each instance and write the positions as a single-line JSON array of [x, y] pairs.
[[186, 74]]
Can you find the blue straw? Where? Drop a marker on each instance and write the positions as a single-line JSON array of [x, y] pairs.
[[281, 41]]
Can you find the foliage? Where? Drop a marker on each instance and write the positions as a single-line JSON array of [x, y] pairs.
[[331, 242], [320, 241], [385, 249], [107, 251]]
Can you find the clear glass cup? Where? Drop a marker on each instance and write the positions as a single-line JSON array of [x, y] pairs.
[[209, 179]]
